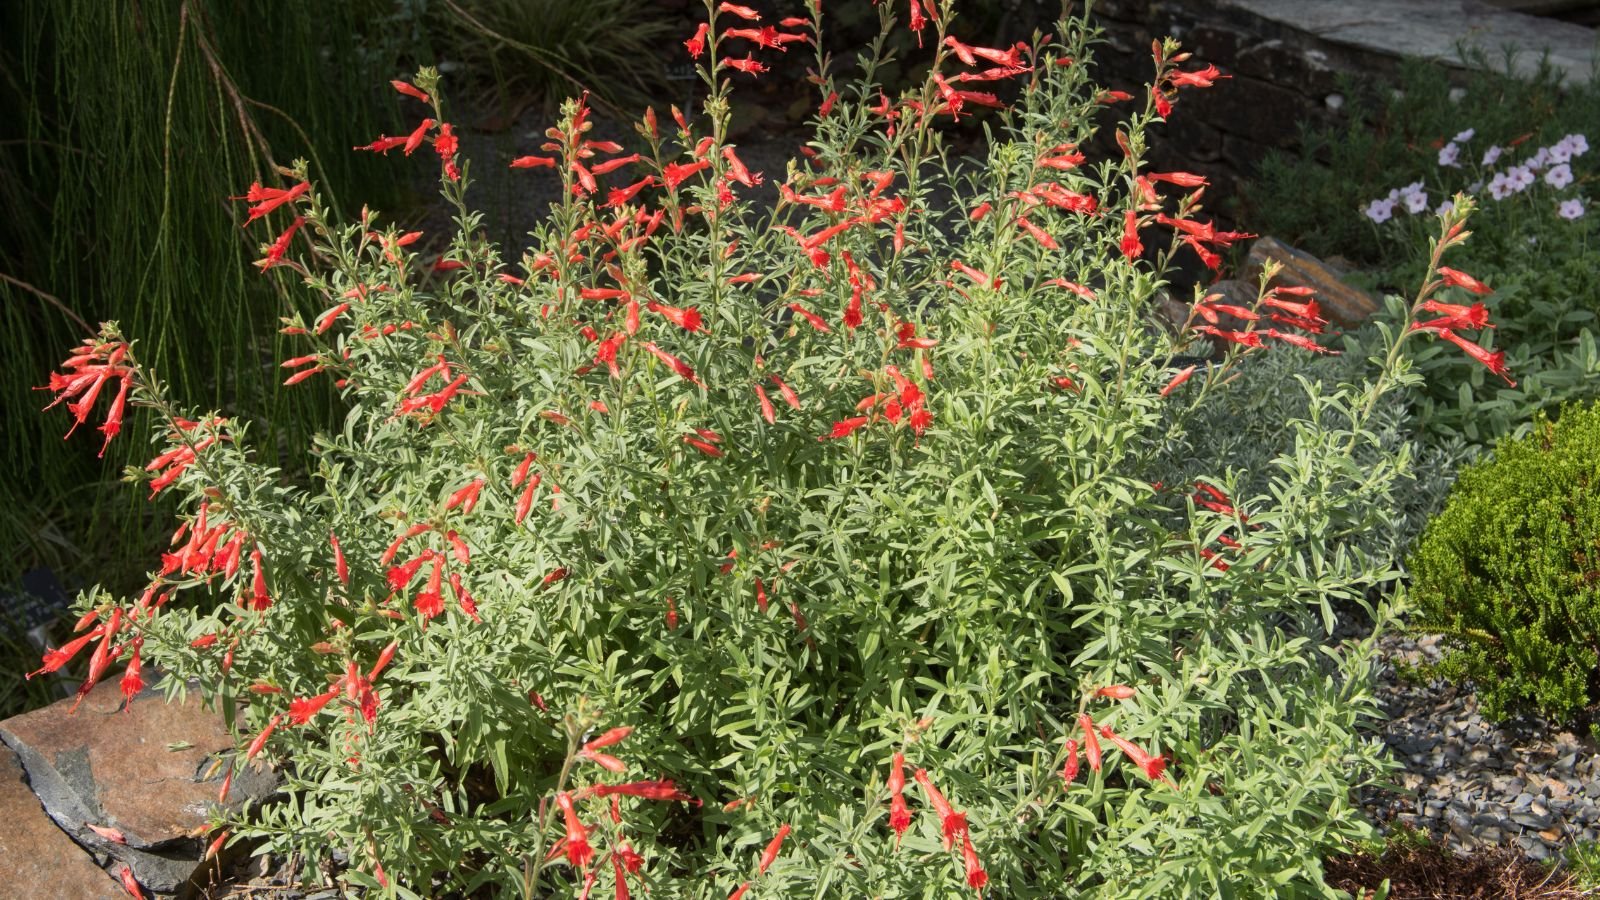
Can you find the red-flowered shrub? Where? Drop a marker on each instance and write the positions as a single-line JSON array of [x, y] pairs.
[[691, 528]]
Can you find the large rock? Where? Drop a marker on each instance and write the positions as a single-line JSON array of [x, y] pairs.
[[37, 859], [147, 771], [1341, 303]]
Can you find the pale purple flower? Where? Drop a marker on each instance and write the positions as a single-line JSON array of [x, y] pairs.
[[1475, 187], [1379, 211], [1560, 152], [1463, 137], [1577, 144], [1559, 176], [1539, 160], [1570, 209], [1520, 178], [1500, 186], [1450, 155], [1490, 155], [1445, 208], [1416, 201]]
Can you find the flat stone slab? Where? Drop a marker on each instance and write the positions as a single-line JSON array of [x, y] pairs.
[[1433, 29], [147, 772], [38, 859]]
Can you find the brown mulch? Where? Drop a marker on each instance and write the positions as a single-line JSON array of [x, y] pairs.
[[1428, 872]]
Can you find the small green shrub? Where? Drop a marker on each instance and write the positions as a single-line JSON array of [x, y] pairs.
[[1510, 570]]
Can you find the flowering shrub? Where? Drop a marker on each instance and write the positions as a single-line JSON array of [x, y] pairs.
[[808, 553]]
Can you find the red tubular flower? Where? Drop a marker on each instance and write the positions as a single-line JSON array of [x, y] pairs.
[[769, 855], [683, 369], [976, 876], [525, 501], [113, 423], [579, 853], [979, 278], [812, 318], [688, 319], [1038, 234], [430, 602], [1456, 316], [399, 577], [619, 878], [411, 90], [1202, 78], [458, 548], [766, 406], [533, 162], [384, 658], [954, 823], [604, 760], [301, 711], [844, 428], [1090, 741], [132, 681], [1495, 362], [631, 860], [466, 497], [1181, 179], [899, 813], [1298, 340], [1132, 247], [789, 396], [610, 738], [1152, 766], [663, 790], [1115, 692], [394, 546], [131, 884], [676, 173], [464, 599], [611, 165], [1177, 380], [261, 739], [416, 137], [259, 598], [739, 892], [1069, 769], [743, 12], [268, 199], [705, 447], [737, 170], [55, 659], [1462, 280], [446, 146], [1080, 290], [1242, 338], [383, 144]]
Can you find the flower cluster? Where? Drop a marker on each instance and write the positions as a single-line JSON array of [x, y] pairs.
[[1551, 164]]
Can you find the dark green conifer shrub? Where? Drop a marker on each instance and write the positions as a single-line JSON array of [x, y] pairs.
[[1510, 570]]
